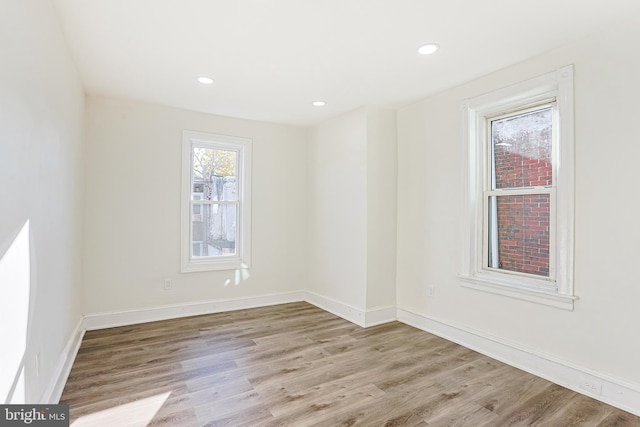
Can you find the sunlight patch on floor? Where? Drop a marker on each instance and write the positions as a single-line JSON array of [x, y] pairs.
[[134, 414]]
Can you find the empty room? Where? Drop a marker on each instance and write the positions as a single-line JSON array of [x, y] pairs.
[[328, 213]]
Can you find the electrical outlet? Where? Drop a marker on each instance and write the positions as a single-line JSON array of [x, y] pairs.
[[431, 291], [592, 387], [37, 363], [168, 284]]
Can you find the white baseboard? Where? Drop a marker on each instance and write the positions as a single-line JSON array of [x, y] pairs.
[[364, 318], [379, 315], [340, 309], [152, 314], [54, 390], [612, 391]]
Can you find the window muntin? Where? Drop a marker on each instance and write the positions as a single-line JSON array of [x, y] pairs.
[[216, 202]]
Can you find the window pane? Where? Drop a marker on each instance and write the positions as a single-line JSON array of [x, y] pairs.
[[522, 150], [214, 174], [213, 230], [519, 237]]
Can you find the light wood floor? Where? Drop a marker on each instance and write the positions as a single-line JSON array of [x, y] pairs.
[[297, 365]]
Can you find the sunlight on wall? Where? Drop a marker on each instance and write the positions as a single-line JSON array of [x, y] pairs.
[[14, 306], [137, 413], [241, 275]]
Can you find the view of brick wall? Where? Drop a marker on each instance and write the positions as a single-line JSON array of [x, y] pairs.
[[522, 158]]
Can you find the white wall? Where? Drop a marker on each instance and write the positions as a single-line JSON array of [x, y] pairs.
[[352, 180], [41, 146], [601, 334], [310, 203], [337, 209], [133, 172], [382, 182]]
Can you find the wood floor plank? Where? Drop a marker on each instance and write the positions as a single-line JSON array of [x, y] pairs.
[[297, 365]]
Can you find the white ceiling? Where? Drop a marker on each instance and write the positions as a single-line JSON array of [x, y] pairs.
[[271, 58]]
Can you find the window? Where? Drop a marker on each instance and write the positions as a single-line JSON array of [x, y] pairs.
[[519, 191], [216, 202]]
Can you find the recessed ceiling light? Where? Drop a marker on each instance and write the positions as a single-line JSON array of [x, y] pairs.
[[319, 103], [428, 49], [205, 80]]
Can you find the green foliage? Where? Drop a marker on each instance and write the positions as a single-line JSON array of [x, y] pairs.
[[208, 163]]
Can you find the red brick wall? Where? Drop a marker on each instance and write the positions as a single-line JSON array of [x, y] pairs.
[[522, 153]]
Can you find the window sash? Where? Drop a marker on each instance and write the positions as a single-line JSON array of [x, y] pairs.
[[238, 215], [238, 202], [490, 231], [484, 266]]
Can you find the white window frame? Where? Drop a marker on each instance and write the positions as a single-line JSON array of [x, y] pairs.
[[242, 146], [557, 290]]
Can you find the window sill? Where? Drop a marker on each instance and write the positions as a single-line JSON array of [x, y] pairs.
[[208, 265], [548, 298]]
